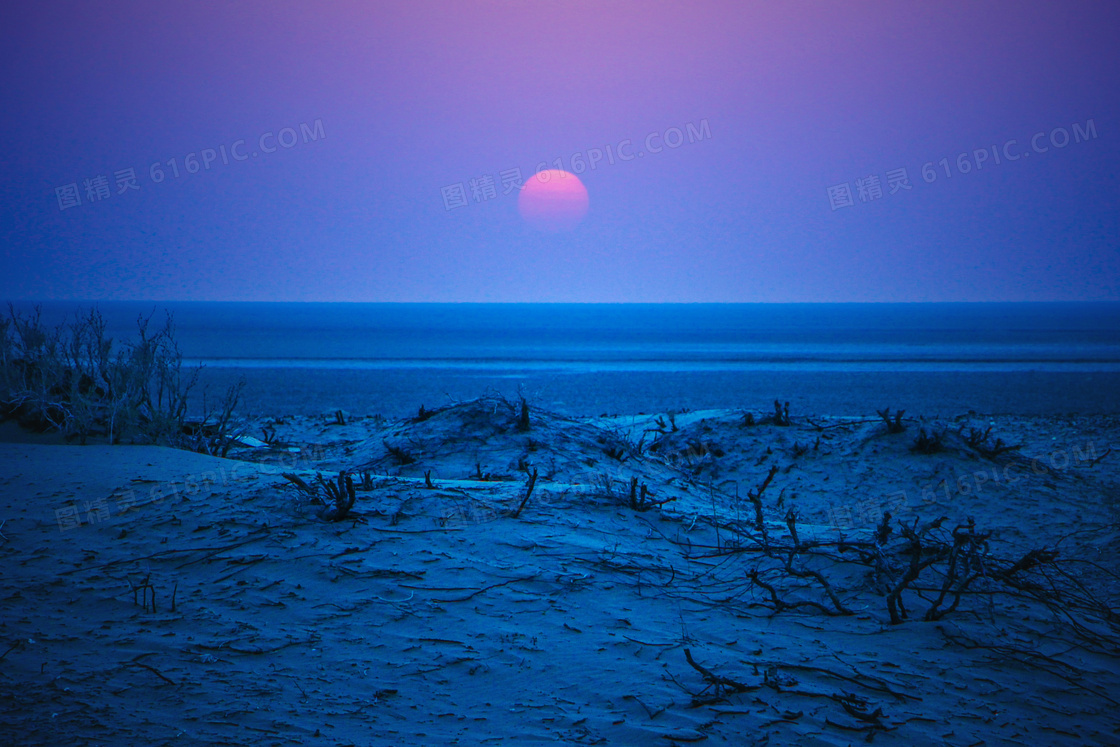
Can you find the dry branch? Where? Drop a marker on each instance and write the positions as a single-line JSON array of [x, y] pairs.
[[528, 492], [719, 682]]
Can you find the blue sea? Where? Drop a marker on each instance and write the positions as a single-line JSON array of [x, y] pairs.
[[591, 359]]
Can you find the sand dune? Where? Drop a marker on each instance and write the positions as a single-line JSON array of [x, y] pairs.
[[154, 596]]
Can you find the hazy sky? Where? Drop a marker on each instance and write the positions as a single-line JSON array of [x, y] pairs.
[[392, 108]]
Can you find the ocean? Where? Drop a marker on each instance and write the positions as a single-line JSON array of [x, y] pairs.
[[593, 359]]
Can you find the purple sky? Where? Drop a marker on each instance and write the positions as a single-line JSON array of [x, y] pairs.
[[785, 100]]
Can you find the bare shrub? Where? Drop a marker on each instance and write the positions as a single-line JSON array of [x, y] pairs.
[[927, 442], [984, 444], [73, 379], [781, 414], [893, 425], [337, 497], [401, 456], [220, 429]]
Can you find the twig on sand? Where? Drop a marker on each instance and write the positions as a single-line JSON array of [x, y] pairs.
[[528, 492], [451, 663], [1033, 659], [392, 530], [151, 669], [299, 482], [1093, 463], [144, 587], [870, 728], [875, 683], [845, 424], [218, 550], [252, 536], [313, 638], [411, 594], [487, 588], [755, 497], [13, 647], [649, 711], [716, 680]]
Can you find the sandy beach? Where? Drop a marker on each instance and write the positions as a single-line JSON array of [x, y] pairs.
[[710, 576]]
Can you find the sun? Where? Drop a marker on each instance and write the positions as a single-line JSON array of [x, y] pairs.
[[553, 200]]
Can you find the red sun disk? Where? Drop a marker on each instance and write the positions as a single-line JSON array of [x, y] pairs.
[[553, 200]]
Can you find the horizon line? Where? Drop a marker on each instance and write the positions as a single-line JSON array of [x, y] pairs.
[[555, 303]]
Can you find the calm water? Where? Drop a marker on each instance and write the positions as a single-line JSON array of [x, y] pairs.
[[589, 359]]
